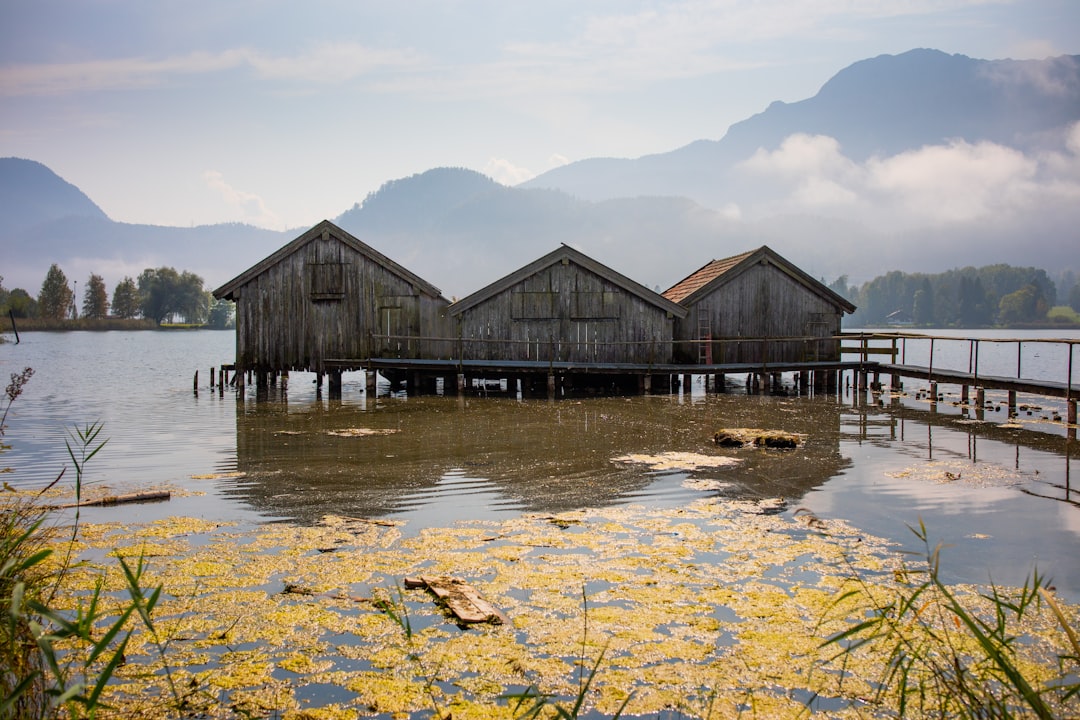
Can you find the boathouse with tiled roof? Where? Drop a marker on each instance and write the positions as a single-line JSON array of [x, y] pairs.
[[755, 307]]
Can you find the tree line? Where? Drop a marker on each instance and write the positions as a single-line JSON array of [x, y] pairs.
[[162, 295], [963, 297]]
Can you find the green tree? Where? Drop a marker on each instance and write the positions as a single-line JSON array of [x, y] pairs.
[[96, 298], [922, 304], [55, 299], [221, 315], [1074, 297], [1024, 305], [21, 304], [125, 300], [164, 293]]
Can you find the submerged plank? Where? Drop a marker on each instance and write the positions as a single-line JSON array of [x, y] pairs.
[[463, 600]]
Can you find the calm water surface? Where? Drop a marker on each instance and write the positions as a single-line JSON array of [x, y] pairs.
[[878, 462]]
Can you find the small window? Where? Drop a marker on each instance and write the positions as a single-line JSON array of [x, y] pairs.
[[327, 281]]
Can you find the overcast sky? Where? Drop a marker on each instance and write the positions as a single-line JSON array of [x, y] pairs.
[[281, 114]]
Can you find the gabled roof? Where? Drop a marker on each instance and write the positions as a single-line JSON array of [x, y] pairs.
[[558, 255], [226, 291], [718, 272]]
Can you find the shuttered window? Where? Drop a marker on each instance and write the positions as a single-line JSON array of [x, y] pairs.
[[327, 281]]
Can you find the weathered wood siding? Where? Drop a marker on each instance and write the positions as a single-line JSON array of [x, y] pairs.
[[328, 301], [762, 302], [566, 313]]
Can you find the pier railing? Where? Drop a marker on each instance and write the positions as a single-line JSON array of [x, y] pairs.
[[764, 351]]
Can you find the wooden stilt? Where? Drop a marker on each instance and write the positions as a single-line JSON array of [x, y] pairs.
[[334, 384], [196, 382]]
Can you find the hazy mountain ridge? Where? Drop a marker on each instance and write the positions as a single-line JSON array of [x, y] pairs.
[[33, 195], [827, 182], [880, 106]]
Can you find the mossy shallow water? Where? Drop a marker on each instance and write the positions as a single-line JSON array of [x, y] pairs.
[[718, 607]]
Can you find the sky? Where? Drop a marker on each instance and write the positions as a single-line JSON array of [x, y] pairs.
[[281, 114]]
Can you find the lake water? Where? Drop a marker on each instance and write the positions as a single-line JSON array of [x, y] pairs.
[[882, 463]]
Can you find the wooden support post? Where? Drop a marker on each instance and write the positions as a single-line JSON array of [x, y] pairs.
[[1012, 403], [687, 383], [551, 386], [196, 382], [804, 382], [980, 396], [933, 392], [1070, 412], [964, 397], [239, 378], [894, 383], [212, 385], [460, 382], [647, 384], [334, 384]]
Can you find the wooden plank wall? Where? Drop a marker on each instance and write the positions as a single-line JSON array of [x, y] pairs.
[[762, 302], [566, 313], [329, 301]]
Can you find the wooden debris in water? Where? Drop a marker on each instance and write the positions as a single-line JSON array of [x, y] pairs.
[[139, 497], [360, 432], [743, 437], [464, 601]]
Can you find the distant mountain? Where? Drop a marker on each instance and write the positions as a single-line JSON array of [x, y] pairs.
[[33, 194], [876, 107], [917, 162]]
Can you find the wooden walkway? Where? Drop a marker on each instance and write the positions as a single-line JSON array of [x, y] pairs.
[[1046, 388]]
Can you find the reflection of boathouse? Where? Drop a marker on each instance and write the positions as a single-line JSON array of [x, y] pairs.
[[753, 308]]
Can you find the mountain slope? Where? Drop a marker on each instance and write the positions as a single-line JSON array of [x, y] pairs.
[[876, 107], [32, 194]]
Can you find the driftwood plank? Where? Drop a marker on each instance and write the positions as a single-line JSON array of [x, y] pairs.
[[464, 601], [151, 496]]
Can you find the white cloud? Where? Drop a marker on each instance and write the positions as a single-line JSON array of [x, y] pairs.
[[935, 185], [325, 64], [251, 207], [505, 172], [557, 160], [957, 182]]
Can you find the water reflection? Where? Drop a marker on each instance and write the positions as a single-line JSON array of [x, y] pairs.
[[488, 456]]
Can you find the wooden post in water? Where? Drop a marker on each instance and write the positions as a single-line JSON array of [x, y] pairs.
[[1070, 401], [964, 398], [334, 384], [1012, 403], [196, 382], [687, 382]]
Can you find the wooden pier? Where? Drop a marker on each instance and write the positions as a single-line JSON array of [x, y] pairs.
[[868, 357]]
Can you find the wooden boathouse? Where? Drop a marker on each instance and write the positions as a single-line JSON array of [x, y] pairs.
[[569, 310], [756, 307], [327, 296]]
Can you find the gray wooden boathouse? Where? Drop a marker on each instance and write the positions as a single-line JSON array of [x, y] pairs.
[[566, 307], [326, 296], [756, 307]]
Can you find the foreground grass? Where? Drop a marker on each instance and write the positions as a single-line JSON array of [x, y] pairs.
[[717, 609]]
